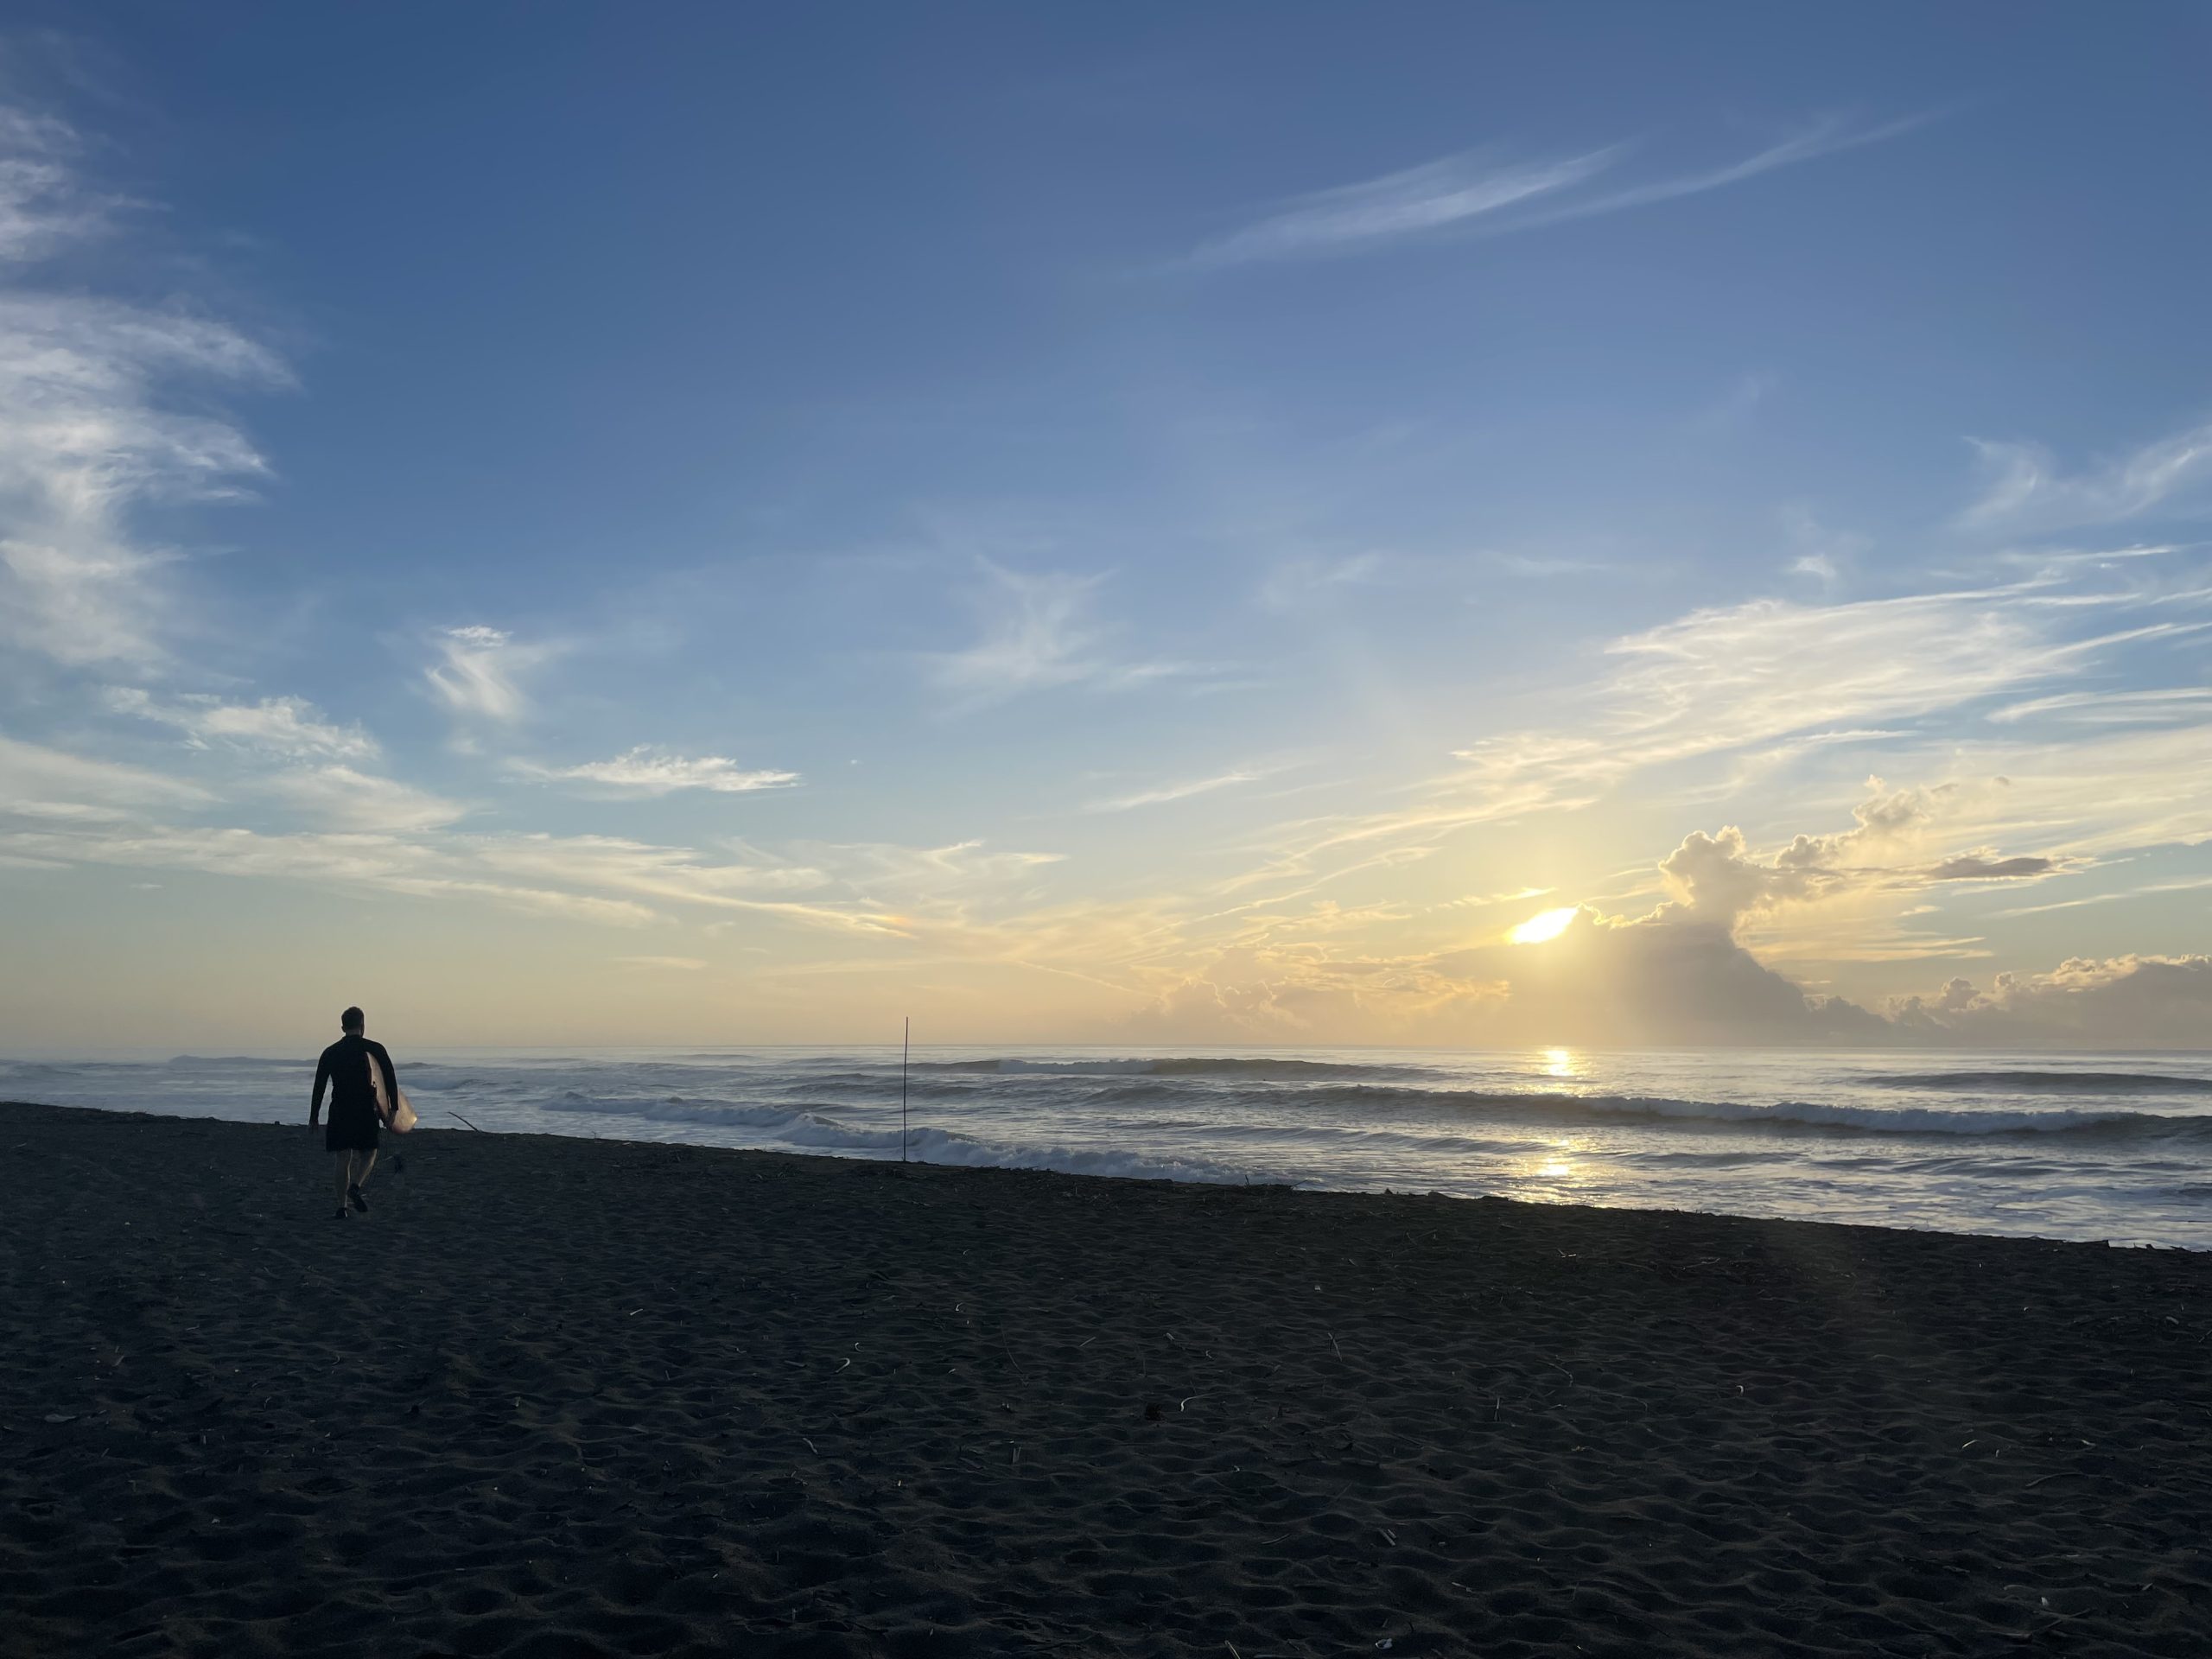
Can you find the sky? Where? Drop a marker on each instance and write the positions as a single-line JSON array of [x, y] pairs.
[[1456, 525]]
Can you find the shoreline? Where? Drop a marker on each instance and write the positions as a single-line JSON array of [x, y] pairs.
[[673, 1398], [1183, 1170]]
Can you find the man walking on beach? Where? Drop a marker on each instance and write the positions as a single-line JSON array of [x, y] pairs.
[[355, 1115]]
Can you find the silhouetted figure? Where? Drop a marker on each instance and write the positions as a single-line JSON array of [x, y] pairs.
[[355, 1114]]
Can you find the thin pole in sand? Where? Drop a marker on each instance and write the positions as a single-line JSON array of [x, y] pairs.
[[905, 1047]]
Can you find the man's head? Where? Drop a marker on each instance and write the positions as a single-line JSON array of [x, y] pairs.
[[350, 1022]]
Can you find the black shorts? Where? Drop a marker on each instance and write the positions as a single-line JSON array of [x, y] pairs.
[[351, 1130]]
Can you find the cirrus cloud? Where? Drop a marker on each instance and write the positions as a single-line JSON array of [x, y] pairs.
[[478, 672], [649, 771], [290, 726]]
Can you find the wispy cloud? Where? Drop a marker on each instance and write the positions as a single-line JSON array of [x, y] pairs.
[[648, 771], [1427, 197], [594, 878], [1823, 554], [35, 780], [1828, 136], [346, 799], [1165, 793], [671, 964], [1542, 565], [1036, 632], [1770, 675], [2029, 490], [1314, 581], [1039, 632], [2155, 706], [287, 726], [1735, 677], [476, 672], [2190, 883], [44, 204], [89, 429], [911, 872], [373, 863], [1735, 405], [1487, 190]]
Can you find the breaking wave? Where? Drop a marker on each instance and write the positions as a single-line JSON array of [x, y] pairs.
[[236, 1062], [1787, 1114], [1225, 1070], [779, 1128], [2050, 1082]]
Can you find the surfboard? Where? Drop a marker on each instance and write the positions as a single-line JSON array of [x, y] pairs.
[[398, 1115]]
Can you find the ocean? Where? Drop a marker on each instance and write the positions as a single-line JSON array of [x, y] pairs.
[[2104, 1147]]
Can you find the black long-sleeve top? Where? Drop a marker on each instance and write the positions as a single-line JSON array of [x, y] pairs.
[[344, 1070]]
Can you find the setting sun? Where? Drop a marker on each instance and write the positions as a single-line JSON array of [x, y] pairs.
[[1544, 925]]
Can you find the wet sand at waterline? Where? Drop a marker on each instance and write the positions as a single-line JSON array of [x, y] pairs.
[[563, 1396]]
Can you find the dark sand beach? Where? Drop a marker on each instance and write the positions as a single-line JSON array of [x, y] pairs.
[[560, 1397]]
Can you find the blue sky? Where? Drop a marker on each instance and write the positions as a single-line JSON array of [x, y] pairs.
[[1144, 523]]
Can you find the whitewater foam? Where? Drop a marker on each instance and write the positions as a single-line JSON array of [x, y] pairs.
[[2048, 1083], [2006, 1143], [1257, 1070], [770, 1128], [1787, 1114]]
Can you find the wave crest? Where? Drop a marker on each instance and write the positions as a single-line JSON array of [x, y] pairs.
[[1786, 1115], [776, 1127], [2051, 1082], [1228, 1069]]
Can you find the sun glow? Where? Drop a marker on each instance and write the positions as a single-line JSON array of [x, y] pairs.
[[1544, 925]]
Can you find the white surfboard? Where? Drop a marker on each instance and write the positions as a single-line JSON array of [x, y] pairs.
[[398, 1115]]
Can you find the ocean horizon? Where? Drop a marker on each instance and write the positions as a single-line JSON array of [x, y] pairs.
[[2076, 1146]]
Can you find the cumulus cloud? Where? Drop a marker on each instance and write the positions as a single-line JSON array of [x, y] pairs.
[[647, 771], [1716, 878], [1601, 981], [290, 728], [2115, 1002], [1681, 973], [1690, 970], [1666, 979], [1770, 680]]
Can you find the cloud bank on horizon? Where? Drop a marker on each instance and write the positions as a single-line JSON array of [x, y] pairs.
[[1627, 635]]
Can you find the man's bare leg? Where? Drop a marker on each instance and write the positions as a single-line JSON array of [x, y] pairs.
[[344, 1163], [357, 1166]]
